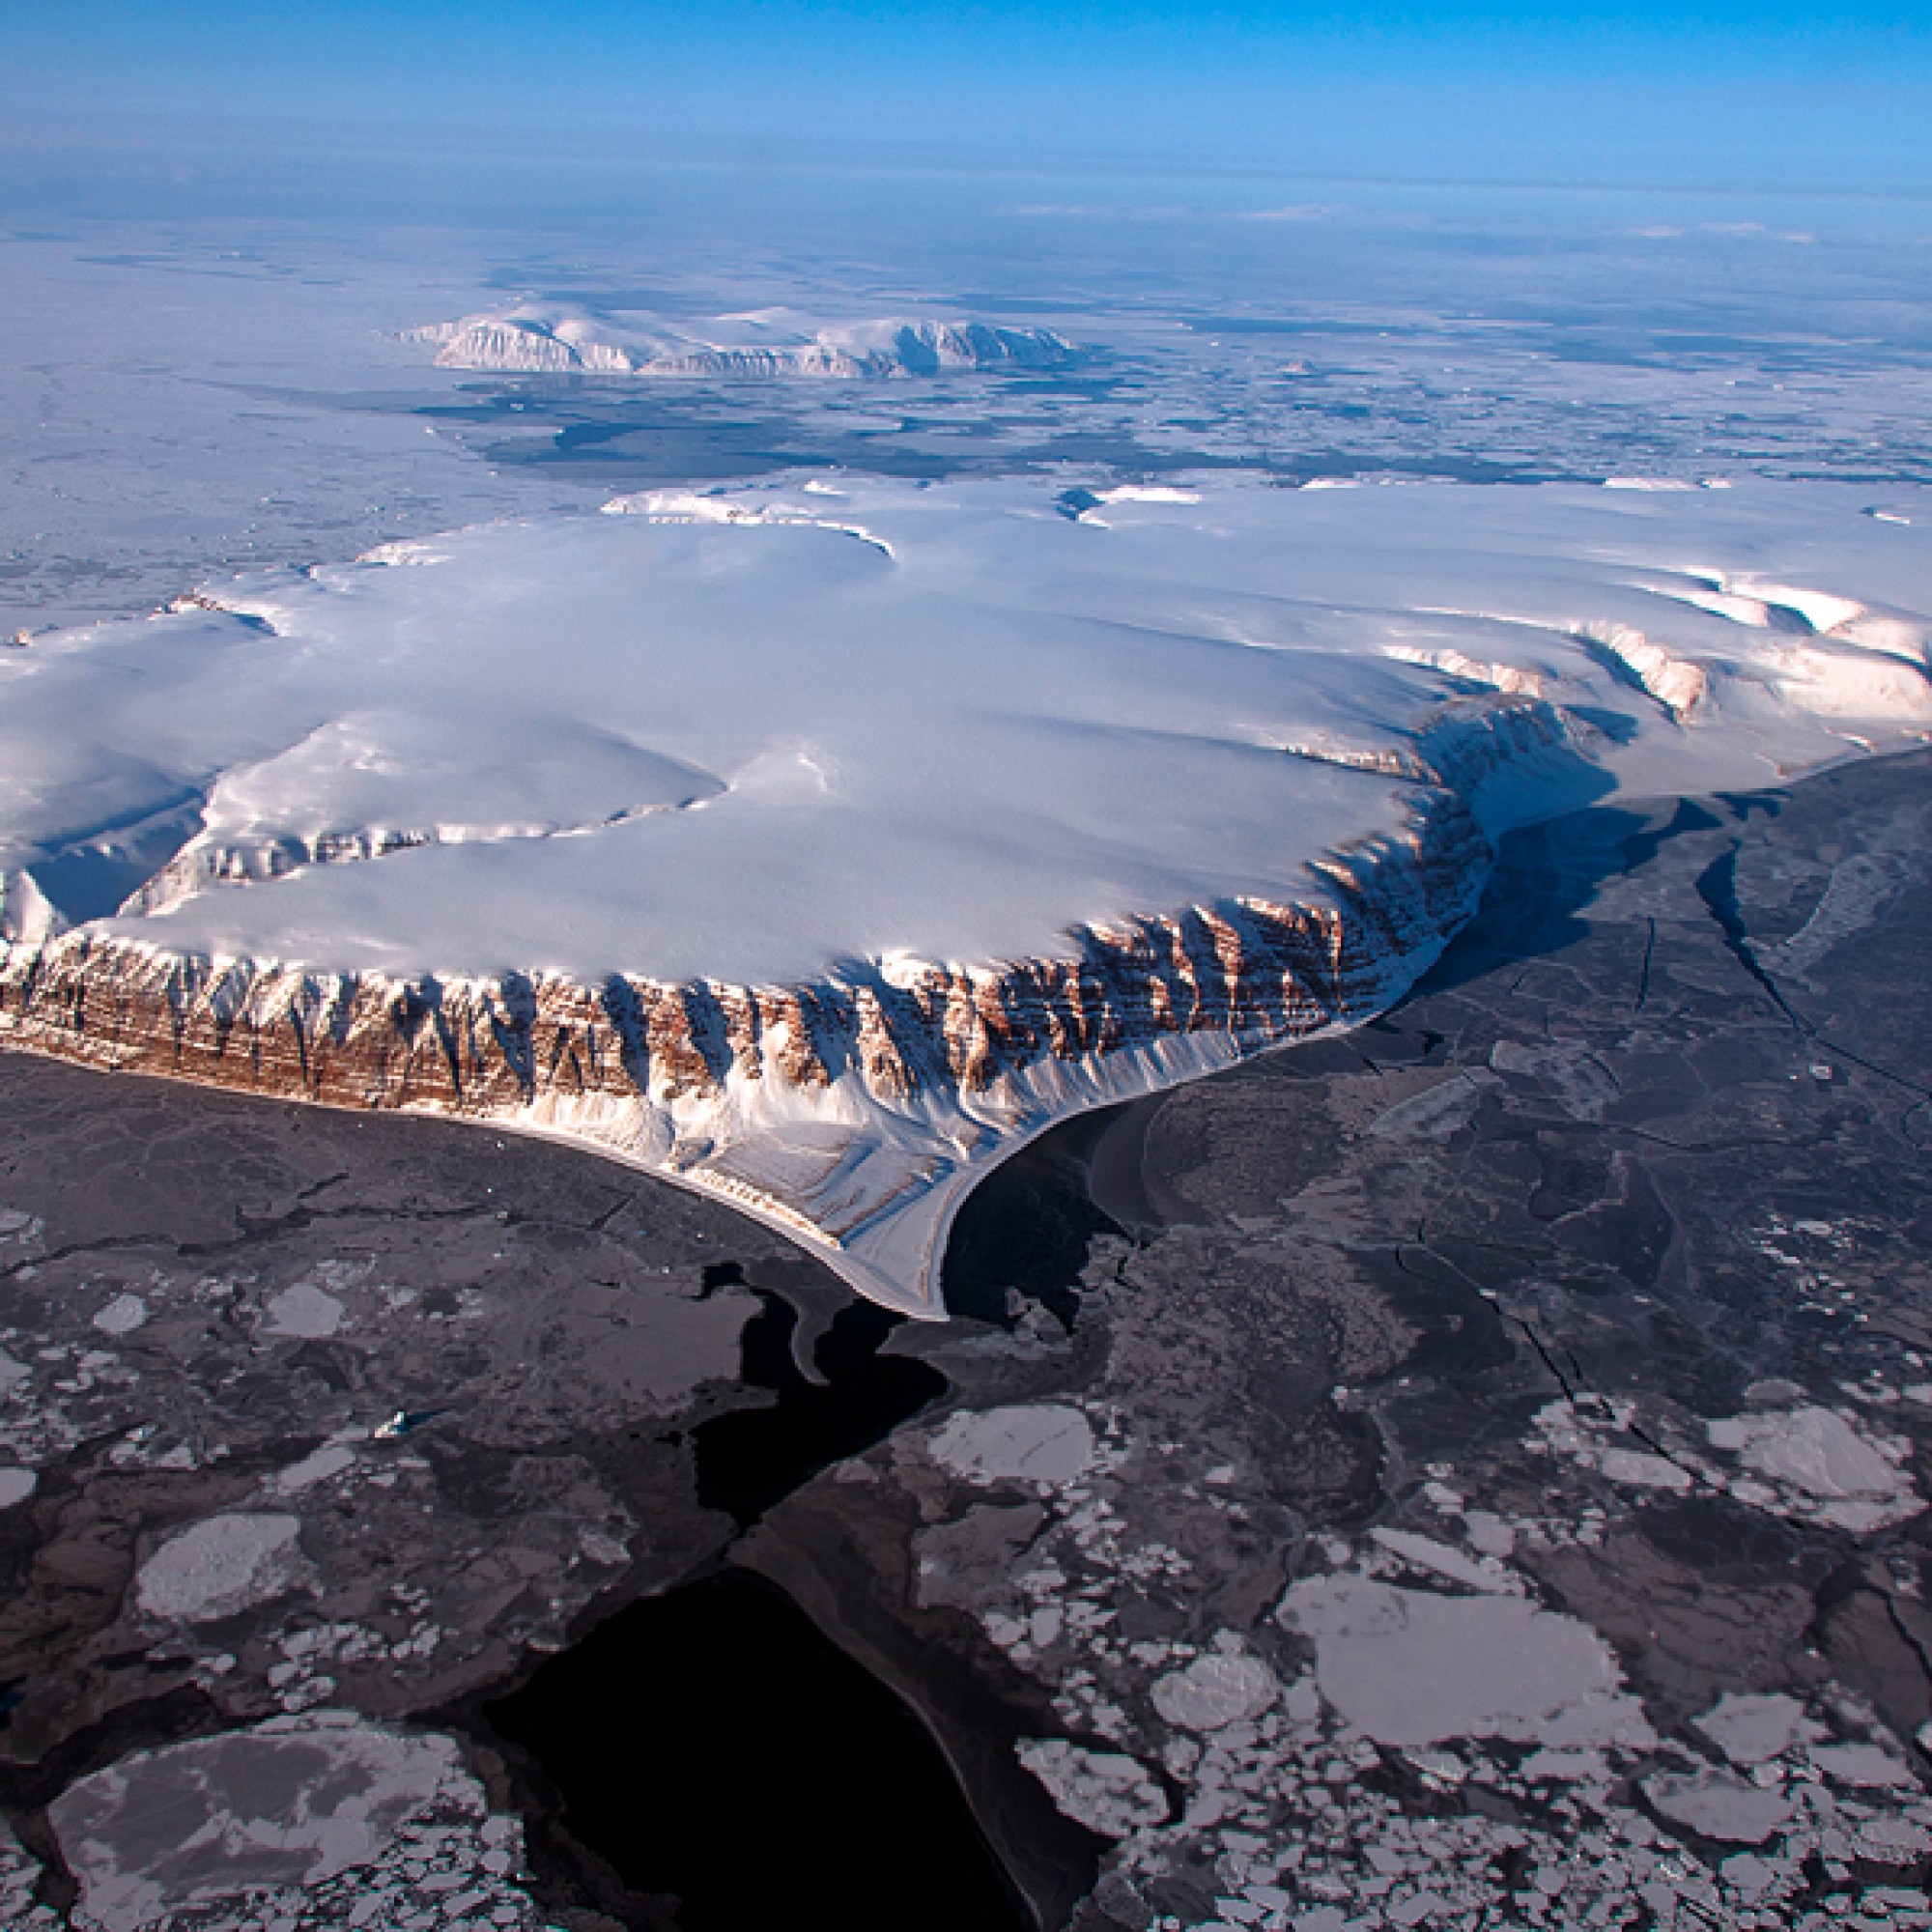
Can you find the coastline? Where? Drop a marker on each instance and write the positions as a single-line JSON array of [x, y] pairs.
[[1204, 1350]]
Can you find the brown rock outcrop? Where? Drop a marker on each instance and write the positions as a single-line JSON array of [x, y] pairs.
[[918, 1043]]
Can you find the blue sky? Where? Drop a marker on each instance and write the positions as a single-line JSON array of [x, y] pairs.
[[1713, 93]]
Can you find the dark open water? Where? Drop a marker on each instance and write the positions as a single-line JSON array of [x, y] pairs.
[[711, 1746]]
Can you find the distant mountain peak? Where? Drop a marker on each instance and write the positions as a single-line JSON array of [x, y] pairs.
[[551, 338]]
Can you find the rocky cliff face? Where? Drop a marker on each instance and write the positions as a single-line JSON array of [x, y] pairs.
[[793, 794], [853, 1109]]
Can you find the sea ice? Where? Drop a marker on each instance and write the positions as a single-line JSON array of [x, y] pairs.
[[1412, 1667], [1717, 1805], [1426, 1553], [1642, 1471], [1035, 1442], [1823, 1464], [316, 1466], [1859, 1764], [1439, 1111], [291, 1803], [304, 1310], [1214, 1690], [1106, 1791], [1752, 1727], [221, 1566], [122, 1316]]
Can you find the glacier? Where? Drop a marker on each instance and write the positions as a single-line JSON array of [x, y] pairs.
[[817, 844], [568, 339]]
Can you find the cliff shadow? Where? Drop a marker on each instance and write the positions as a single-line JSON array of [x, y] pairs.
[[1546, 878]]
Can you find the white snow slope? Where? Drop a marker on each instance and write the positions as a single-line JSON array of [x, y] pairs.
[[549, 338], [781, 738]]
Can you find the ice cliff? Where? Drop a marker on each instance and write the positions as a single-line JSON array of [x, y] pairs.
[[816, 846]]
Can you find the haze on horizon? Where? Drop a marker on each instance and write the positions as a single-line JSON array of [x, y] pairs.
[[1717, 97]]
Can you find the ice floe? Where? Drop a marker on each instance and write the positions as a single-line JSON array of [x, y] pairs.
[[1039, 1443], [121, 1316], [1414, 1667], [1718, 1805], [305, 1310], [292, 1804], [1825, 1465], [1106, 1791], [1819, 1464], [1221, 1688], [221, 1565], [1751, 1728]]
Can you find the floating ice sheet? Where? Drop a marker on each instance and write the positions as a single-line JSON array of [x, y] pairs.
[[1412, 1667], [291, 1801], [221, 1566]]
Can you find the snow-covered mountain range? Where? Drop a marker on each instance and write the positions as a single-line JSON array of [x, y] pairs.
[[547, 338], [817, 845]]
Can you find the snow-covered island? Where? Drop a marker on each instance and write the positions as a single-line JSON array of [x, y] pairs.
[[817, 845], [563, 339]]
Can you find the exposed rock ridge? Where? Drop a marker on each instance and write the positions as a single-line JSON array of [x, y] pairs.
[[207, 860], [201, 864], [1675, 682], [677, 1075]]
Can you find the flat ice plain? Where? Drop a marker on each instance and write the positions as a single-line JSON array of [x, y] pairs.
[[785, 735]]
